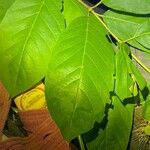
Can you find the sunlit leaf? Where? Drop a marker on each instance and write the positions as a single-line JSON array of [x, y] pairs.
[[28, 32], [80, 76]]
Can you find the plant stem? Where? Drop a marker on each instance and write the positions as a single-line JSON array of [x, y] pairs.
[[81, 143], [140, 63]]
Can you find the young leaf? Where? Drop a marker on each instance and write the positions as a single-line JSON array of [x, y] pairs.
[[115, 135], [80, 76], [28, 32], [132, 6], [131, 29]]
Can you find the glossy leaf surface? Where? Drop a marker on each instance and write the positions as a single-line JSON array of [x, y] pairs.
[[90, 79], [77, 86], [28, 32]]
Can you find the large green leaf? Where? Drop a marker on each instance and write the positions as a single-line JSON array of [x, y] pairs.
[[115, 136], [134, 30], [132, 6], [4, 5], [27, 34], [80, 77]]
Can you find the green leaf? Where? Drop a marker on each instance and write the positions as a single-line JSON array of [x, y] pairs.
[[132, 6], [73, 9], [131, 29], [123, 78], [127, 75], [4, 5], [115, 135], [80, 77], [28, 32]]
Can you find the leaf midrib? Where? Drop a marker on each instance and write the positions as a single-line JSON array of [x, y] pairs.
[[26, 41]]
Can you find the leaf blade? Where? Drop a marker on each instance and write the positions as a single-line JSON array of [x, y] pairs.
[[78, 65], [35, 27]]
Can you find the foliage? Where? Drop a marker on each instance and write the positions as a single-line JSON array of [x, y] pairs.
[[85, 60]]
